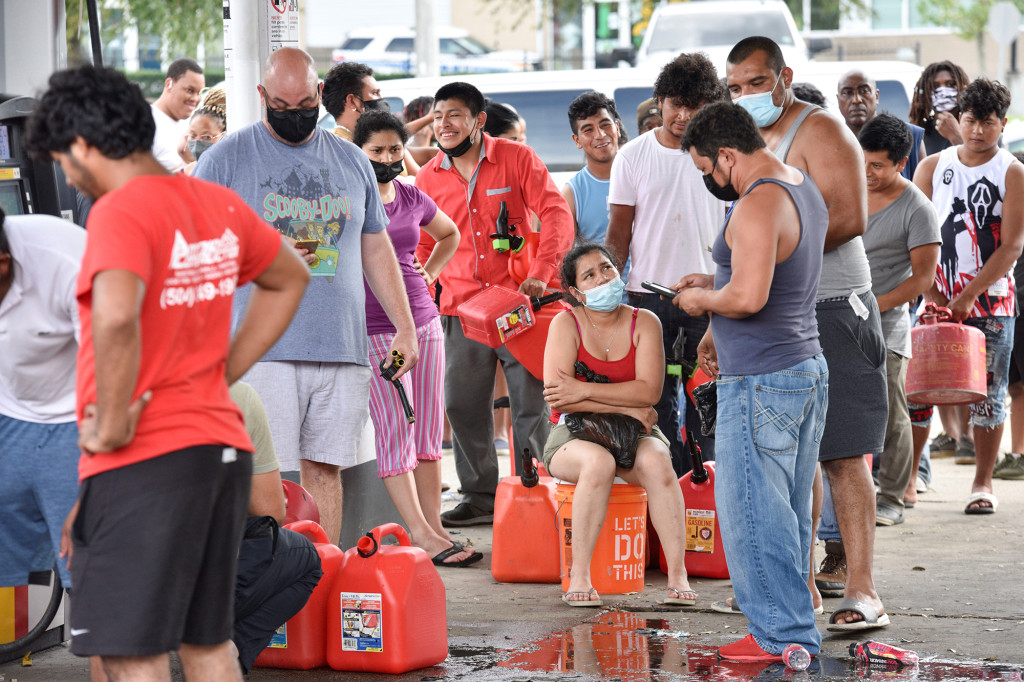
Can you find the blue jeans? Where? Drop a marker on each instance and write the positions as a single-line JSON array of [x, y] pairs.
[[767, 437]]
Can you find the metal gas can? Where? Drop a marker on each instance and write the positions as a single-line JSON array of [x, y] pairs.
[[948, 364]]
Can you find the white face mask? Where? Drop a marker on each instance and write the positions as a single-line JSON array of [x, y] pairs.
[[761, 106]]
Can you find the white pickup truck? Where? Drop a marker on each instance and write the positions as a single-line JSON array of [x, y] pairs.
[[714, 26]]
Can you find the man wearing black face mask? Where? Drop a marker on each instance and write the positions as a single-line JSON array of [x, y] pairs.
[[311, 185]]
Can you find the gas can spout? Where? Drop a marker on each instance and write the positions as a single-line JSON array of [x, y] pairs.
[[699, 474], [529, 476]]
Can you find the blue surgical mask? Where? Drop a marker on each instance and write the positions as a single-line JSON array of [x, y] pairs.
[[761, 107], [607, 297]]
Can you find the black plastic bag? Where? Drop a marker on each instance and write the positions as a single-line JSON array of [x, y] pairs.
[[705, 398], [617, 433]]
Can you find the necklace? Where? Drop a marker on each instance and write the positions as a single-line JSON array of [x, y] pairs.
[[615, 329]]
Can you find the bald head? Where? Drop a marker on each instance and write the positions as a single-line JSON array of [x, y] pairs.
[[858, 99]]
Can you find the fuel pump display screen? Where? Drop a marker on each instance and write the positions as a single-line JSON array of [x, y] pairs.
[[10, 198], [5, 143]]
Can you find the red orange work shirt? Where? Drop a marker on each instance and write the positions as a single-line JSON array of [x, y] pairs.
[[510, 172]]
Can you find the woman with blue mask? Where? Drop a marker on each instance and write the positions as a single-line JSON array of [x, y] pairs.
[[623, 346], [207, 125]]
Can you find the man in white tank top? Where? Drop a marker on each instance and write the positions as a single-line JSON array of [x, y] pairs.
[[978, 192]]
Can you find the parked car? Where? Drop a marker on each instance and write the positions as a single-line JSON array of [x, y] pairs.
[[543, 97], [390, 50]]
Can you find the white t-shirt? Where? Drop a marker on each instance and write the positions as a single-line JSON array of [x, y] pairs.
[[165, 143], [39, 320], [676, 219]]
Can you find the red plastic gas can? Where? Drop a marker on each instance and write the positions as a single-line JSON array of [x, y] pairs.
[[299, 504], [705, 555], [525, 507], [301, 643], [496, 315], [387, 609], [948, 366], [528, 347]]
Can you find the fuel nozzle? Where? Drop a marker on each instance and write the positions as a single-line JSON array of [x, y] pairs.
[[699, 474], [676, 364], [389, 373], [503, 240]]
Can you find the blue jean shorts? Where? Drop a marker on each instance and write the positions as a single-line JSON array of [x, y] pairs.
[[991, 412]]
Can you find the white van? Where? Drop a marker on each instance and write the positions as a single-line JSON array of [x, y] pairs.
[[543, 97]]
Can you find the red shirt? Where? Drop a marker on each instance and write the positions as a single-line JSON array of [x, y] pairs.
[[510, 172], [191, 242]]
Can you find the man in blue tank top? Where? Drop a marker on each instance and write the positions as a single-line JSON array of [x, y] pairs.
[[592, 117], [772, 377]]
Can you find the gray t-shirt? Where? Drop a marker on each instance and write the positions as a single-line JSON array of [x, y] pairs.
[[905, 224], [844, 271], [323, 189]]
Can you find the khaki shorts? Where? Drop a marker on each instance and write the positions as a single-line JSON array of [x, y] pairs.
[[560, 435]]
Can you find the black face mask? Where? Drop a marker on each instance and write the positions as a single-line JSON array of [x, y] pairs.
[[376, 105], [293, 125], [459, 149], [726, 193], [386, 172]]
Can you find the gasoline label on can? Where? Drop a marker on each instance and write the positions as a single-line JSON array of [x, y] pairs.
[[700, 530], [361, 628], [280, 638]]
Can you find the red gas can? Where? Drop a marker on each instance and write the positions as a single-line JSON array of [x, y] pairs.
[[301, 643], [525, 506], [496, 315], [528, 347], [299, 504], [948, 365], [387, 608], [705, 555]]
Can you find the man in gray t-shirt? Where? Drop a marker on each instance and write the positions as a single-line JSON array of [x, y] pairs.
[[902, 243], [311, 185]]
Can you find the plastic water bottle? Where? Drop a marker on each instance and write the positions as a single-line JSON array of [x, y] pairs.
[[796, 657], [884, 654]]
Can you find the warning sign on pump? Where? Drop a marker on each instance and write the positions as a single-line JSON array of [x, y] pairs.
[[700, 530], [361, 628]]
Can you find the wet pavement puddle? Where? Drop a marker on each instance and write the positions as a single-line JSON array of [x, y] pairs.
[[628, 647]]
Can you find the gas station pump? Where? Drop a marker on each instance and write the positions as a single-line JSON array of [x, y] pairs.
[[28, 185]]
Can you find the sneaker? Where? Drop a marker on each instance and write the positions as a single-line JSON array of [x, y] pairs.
[[886, 515], [465, 515], [831, 576], [747, 649], [964, 452], [942, 446], [1011, 470]]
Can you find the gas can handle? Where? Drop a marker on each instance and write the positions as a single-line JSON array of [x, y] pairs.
[[385, 529], [311, 529], [934, 314]]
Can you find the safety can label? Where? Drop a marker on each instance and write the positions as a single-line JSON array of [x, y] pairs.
[[361, 627], [700, 530], [280, 638]]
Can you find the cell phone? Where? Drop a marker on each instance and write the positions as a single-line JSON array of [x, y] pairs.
[[307, 244], [659, 289]]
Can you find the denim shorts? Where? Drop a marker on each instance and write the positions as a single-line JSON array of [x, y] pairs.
[[991, 412]]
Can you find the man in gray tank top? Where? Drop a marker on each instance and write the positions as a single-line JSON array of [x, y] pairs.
[[772, 379], [848, 320]]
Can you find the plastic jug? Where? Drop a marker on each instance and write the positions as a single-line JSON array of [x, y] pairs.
[[524, 507], [705, 555], [386, 611], [528, 347], [495, 315], [301, 643]]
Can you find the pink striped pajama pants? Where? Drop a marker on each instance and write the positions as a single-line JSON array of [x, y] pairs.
[[400, 445]]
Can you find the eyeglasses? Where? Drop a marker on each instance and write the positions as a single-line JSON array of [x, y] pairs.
[[864, 91], [203, 138]]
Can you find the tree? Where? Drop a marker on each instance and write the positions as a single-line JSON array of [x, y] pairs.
[[967, 18]]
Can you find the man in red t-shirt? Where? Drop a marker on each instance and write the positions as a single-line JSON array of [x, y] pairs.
[[166, 464]]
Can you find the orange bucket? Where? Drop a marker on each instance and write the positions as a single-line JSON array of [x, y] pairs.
[[617, 566]]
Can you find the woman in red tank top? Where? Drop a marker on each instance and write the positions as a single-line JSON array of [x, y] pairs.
[[625, 345]]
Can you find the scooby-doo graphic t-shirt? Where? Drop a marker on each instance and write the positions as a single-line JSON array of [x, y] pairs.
[[325, 190]]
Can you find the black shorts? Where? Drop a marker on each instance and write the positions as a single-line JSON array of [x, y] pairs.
[[858, 397], [155, 553], [1017, 354]]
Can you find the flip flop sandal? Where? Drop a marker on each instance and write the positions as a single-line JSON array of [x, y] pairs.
[[583, 602], [678, 599], [872, 618], [981, 497], [439, 558], [727, 606]]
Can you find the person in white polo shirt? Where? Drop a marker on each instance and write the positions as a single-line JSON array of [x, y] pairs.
[[39, 262]]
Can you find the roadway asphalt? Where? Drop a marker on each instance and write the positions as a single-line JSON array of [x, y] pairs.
[[951, 583]]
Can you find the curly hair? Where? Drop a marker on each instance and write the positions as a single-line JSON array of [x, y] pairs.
[[722, 124], [921, 106], [983, 98], [99, 105], [344, 79], [690, 78], [886, 133], [568, 271], [214, 105], [372, 122], [589, 104]]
